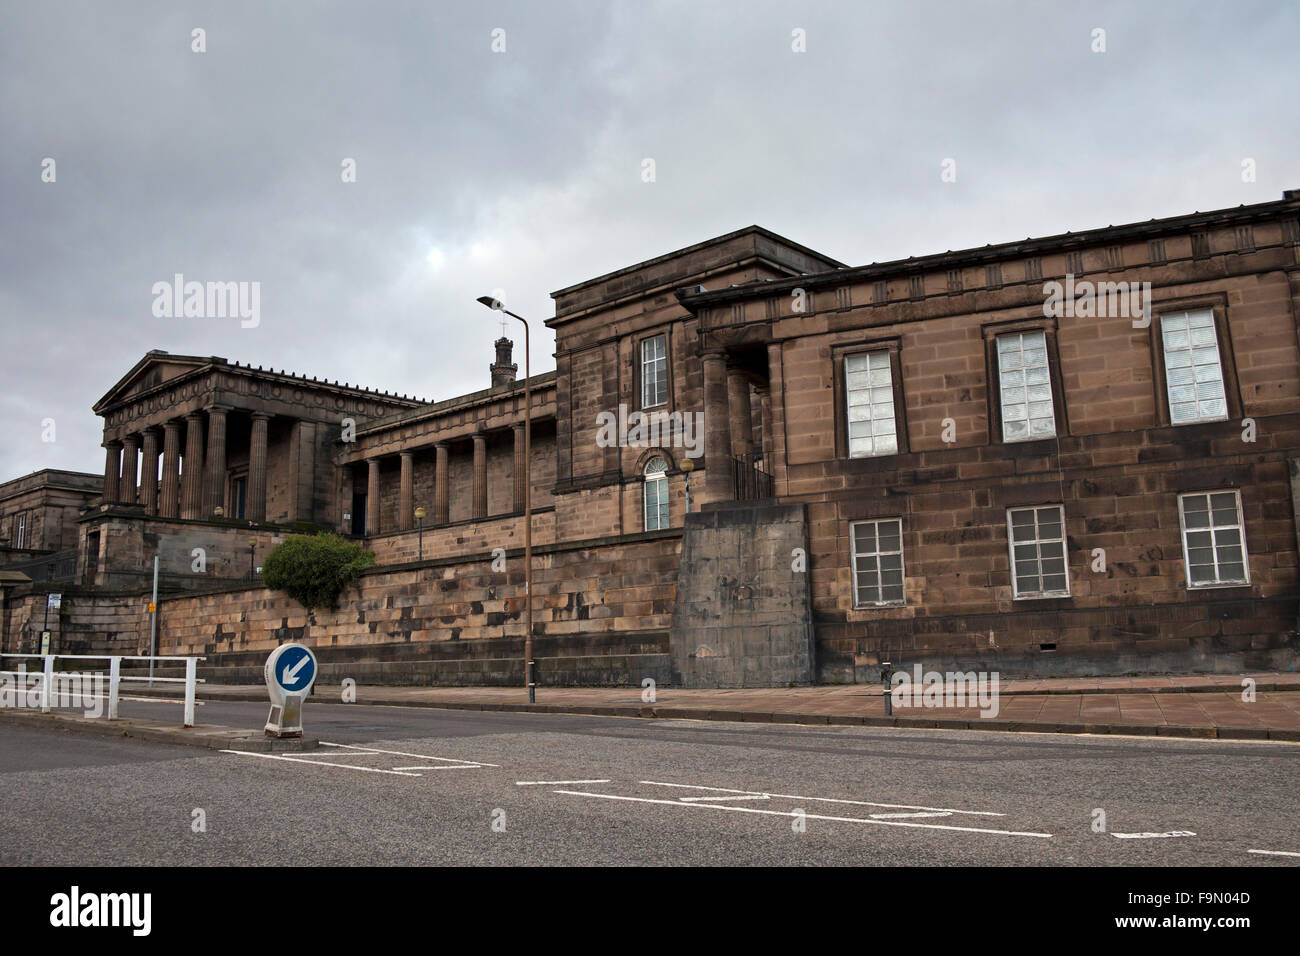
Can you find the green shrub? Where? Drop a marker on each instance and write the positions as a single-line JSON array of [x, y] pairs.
[[314, 570]]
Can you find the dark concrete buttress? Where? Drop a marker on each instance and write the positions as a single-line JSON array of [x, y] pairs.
[[743, 616]]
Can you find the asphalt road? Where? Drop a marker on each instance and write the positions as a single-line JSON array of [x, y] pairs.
[[415, 786]]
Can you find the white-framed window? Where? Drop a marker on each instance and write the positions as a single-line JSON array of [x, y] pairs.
[[1214, 539], [656, 494], [869, 392], [1193, 370], [877, 562], [1037, 540], [654, 371], [1026, 386], [20, 534]]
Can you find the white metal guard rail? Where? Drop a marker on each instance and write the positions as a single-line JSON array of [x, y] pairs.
[[115, 678]]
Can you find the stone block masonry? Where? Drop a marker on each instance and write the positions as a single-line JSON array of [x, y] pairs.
[[602, 612]]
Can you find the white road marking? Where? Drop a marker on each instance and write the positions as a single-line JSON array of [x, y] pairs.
[[425, 766], [1152, 836], [856, 803], [744, 796], [894, 816], [553, 783], [1274, 852], [809, 816], [403, 753], [317, 763]]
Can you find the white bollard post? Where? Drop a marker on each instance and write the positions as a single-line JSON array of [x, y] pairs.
[[191, 673], [114, 682], [47, 684]]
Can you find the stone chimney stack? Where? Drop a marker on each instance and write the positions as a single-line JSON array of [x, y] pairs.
[[503, 370]]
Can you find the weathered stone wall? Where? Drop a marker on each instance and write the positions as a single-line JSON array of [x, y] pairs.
[[742, 616], [463, 538], [596, 599], [49, 503], [87, 622], [128, 543], [1117, 467]]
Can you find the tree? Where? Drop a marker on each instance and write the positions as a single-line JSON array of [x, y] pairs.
[[314, 570]]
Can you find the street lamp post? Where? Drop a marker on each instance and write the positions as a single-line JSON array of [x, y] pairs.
[[499, 306], [252, 563], [688, 466], [419, 521]]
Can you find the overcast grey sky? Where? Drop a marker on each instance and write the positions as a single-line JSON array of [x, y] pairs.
[[522, 170]]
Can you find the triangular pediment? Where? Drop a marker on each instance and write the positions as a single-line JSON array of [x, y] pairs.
[[151, 371]]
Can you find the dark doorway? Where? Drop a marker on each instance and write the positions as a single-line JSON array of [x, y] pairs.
[[358, 512], [239, 497]]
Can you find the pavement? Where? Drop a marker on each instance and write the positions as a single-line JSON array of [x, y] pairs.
[[1189, 706], [210, 736]]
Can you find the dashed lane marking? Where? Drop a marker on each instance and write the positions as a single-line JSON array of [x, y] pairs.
[[1274, 852], [1152, 836]]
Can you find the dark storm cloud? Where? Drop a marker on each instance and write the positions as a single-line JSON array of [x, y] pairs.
[[522, 170]]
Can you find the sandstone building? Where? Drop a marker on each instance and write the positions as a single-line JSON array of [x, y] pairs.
[[1075, 454]]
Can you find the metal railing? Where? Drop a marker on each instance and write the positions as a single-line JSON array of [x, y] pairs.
[[57, 567], [48, 679], [747, 481]]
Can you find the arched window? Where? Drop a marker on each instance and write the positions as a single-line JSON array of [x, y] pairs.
[[656, 494]]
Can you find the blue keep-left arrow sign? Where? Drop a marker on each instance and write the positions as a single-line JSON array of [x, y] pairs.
[[296, 668]]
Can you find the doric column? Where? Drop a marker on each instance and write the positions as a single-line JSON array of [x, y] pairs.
[[441, 487], [372, 496], [126, 491], [255, 507], [169, 505], [717, 434], [741, 422], [192, 479], [406, 494], [520, 470], [149, 472], [480, 475], [112, 469], [214, 488]]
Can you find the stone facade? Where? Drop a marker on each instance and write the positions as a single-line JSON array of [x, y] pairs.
[[39, 512], [895, 424]]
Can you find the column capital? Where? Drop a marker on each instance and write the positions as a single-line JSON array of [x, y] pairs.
[[260, 416]]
